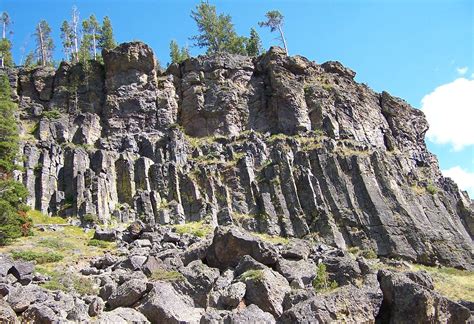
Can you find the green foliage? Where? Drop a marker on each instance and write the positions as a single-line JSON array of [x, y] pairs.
[[55, 243], [39, 257], [52, 114], [178, 55], [30, 61], [44, 43], [106, 39], [89, 218], [275, 23], [166, 275], [217, 32], [99, 244], [256, 275], [67, 282], [13, 219], [369, 254], [321, 283], [254, 44], [198, 229], [6, 53], [38, 218], [431, 189]]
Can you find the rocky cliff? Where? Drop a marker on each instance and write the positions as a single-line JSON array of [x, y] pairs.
[[274, 144]]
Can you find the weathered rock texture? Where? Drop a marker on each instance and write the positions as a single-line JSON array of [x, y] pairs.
[[275, 144]]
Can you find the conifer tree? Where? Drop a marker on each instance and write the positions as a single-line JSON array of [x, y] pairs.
[[178, 55], [5, 53], [275, 22], [217, 32], [44, 43], [106, 39], [91, 33], [13, 220], [66, 36], [5, 21], [254, 44]]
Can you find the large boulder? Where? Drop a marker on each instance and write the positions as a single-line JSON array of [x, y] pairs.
[[199, 281], [402, 296], [266, 289], [230, 244], [348, 304], [121, 316], [127, 293], [7, 314], [165, 305]]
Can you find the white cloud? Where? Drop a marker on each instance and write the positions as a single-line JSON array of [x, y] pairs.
[[462, 70], [449, 110], [464, 179]]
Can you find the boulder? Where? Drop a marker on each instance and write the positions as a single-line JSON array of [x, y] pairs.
[[300, 271], [402, 296], [199, 281], [7, 314], [127, 293], [266, 289], [121, 316], [164, 304], [230, 244], [108, 235]]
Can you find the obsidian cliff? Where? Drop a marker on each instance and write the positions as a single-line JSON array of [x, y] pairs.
[[274, 144]]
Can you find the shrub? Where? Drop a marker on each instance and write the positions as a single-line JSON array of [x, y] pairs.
[[99, 244], [198, 229], [369, 254], [256, 275], [89, 218], [431, 189], [39, 257], [321, 283], [52, 114]]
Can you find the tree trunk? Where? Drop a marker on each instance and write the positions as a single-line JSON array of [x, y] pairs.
[[93, 44], [42, 49], [283, 39], [4, 30]]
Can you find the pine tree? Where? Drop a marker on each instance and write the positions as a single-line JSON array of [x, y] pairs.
[[275, 22], [13, 220], [30, 60], [91, 32], [66, 36], [6, 53], [44, 43], [178, 55], [75, 34], [217, 32], [106, 39], [6, 21], [254, 44]]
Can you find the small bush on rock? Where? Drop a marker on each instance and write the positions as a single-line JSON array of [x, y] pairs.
[[321, 283], [39, 257]]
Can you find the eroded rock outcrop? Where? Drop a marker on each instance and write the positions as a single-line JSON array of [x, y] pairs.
[[274, 144]]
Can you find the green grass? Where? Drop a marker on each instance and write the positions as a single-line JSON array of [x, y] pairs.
[[256, 275], [67, 282], [198, 229], [52, 114], [431, 189], [38, 218], [452, 283], [39, 257], [100, 244], [274, 239], [56, 243], [166, 275]]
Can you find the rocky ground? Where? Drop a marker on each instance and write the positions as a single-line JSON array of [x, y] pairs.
[[161, 274]]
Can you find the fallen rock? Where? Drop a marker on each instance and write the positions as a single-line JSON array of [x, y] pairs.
[[402, 296], [127, 293], [7, 314], [230, 244], [266, 289], [121, 316], [164, 304]]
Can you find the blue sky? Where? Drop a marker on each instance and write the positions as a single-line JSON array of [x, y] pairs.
[[406, 47]]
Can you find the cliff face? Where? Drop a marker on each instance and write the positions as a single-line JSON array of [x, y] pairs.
[[274, 144]]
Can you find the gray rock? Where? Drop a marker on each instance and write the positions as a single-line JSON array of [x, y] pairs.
[[266, 289], [7, 314], [304, 271], [127, 293], [230, 244], [96, 307], [121, 316], [402, 296], [199, 281], [105, 235], [165, 305]]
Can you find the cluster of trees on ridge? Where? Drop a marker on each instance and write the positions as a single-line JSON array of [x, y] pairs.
[[83, 41]]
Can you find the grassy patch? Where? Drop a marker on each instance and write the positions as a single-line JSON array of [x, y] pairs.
[[198, 229], [166, 275], [52, 114], [431, 189], [256, 275], [100, 244], [38, 218], [275, 239], [39, 257], [67, 282], [452, 283], [56, 243]]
